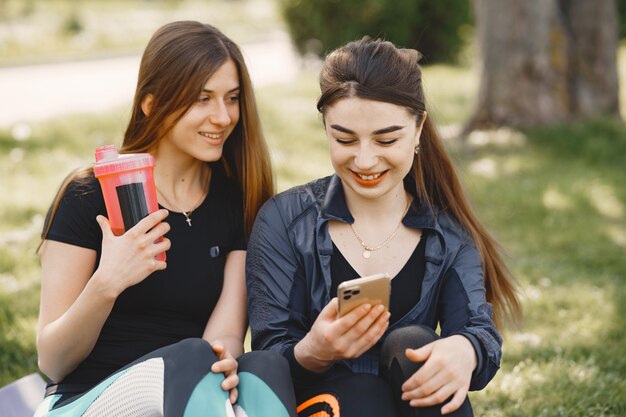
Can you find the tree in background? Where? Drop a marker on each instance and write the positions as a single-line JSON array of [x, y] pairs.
[[432, 27], [546, 61], [622, 17]]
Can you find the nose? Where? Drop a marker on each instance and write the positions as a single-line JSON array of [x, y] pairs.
[[219, 114], [366, 157]]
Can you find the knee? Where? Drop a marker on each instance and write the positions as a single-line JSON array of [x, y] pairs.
[[409, 337], [197, 348], [263, 362]]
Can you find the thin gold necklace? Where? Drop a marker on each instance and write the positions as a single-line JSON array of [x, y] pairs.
[[188, 213], [367, 250]]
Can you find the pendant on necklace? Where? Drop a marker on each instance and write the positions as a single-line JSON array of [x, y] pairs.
[[366, 254], [187, 218]]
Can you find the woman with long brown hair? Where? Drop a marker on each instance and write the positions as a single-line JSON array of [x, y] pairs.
[[394, 206], [123, 333]]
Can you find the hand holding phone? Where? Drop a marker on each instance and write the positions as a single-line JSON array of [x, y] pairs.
[[373, 289]]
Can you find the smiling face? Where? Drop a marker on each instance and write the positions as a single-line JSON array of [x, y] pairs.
[[372, 145], [202, 131]]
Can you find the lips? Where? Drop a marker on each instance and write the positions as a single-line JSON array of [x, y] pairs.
[[369, 180]]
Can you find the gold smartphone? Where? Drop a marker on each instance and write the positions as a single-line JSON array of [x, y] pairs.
[[373, 289]]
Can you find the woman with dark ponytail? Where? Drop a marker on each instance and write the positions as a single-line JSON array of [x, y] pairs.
[[121, 333], [394, 205]]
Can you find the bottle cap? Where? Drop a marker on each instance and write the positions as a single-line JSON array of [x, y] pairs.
[[109, 161]]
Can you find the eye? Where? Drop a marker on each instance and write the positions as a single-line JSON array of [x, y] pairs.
[[204, 99], [345, 141], [234, 98], [387, 142]]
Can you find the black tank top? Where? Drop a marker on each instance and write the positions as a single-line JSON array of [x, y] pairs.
[[406, 287]]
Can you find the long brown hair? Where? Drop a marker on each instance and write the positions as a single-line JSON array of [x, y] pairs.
[[176, 64], [378, 70]]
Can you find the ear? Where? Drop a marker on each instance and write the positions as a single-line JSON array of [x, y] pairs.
[[418, 128], [146, 104]]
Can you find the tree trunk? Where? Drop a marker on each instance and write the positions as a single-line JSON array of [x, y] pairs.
[[545, 61]]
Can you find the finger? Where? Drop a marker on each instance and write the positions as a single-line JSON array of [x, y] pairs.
[[367, 322], [157, 231], [421, 354], [230, 383], [374, 333], [233, 395], [218, 347], [424, 374], [103, 222], [150, 221], [225, 365], [347, 322], [159, 265], [455, 403], [430, 386], [437, 397], [160, 247], [329, 312]]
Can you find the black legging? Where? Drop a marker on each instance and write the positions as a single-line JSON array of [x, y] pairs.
[[342, 393]]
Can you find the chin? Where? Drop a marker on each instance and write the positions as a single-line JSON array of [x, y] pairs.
[[210, 156]]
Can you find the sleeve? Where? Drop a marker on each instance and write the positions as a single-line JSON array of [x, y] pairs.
[[277, 291], [271, 268], [464, 310], [75, 222]]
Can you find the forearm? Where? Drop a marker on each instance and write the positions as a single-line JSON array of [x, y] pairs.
[[234, 345], [65, 342]]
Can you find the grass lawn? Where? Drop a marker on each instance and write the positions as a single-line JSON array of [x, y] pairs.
[[554, 197]]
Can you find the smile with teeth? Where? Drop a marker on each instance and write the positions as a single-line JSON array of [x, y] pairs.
[[211, 135], [369, 177]]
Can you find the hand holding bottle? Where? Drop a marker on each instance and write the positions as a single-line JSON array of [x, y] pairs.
[[128, 259]]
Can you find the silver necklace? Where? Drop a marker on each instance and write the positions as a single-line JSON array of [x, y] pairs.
[[367, 250], [188, 213]]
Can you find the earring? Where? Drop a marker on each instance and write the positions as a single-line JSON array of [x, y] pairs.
[[417, 149]]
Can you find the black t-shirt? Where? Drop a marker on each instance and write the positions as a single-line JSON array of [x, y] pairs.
[[406, 287], [169, 305]]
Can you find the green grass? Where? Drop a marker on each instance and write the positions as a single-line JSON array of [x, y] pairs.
[[554, 197]]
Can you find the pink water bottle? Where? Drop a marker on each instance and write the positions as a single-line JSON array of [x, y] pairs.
[[127, 182]]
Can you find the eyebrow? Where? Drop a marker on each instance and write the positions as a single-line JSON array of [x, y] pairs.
[[382, 131], [204, 90]]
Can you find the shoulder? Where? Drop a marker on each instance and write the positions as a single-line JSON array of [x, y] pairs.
[[454, 233], [83, 190], [296, 202], [73, 221]]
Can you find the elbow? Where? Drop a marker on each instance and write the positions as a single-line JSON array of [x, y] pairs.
[[48, 366], [47, 369]]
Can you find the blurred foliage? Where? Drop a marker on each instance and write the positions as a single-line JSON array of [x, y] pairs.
[[621, 6], [435, 28], [43, 30]]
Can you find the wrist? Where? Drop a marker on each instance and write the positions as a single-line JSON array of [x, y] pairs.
[[471, 352], [304, 353], [102, 284]]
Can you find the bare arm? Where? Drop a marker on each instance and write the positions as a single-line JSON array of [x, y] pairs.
[[76, 298], [73, 307], [227, 325], [228, 321]]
